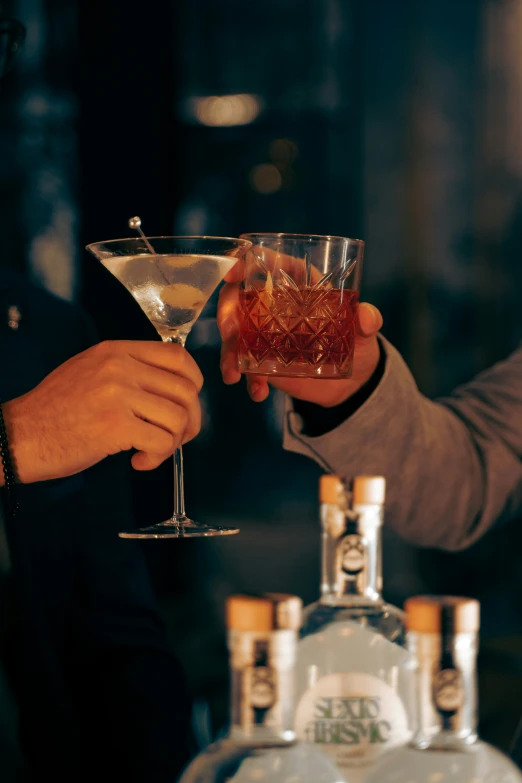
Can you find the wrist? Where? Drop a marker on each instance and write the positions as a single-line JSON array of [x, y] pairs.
[[320, 419], [6, 469], [17, 438]]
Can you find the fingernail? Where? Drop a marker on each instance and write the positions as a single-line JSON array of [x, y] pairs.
[[255, 389], [375, 315], [378, 317]]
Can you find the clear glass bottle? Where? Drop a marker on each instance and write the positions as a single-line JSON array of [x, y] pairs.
[[442, 635], [354, 685], [261, 744]]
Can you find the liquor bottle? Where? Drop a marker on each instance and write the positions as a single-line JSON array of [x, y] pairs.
[[442, 636], [261, 744], [354, 681]]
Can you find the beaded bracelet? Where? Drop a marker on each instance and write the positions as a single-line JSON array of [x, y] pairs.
[[7, 464]]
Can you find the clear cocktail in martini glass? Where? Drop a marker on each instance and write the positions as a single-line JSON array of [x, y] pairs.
[[172, 279]]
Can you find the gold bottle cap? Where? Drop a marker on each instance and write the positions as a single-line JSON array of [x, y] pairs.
[[264, 613], [425, 613], [330, 489], [369, 490]]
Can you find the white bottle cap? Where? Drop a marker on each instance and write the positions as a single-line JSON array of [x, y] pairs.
[[369, 490], [425, 613]]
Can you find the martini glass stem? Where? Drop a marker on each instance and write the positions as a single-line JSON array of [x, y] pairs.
[[179, 486], [179, 516]]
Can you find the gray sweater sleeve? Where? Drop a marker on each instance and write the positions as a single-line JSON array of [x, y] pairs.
[[453, 466]]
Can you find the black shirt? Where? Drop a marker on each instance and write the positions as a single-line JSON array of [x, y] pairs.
[[98, 691]]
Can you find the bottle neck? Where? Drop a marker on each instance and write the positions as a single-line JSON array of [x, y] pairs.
[[351, 554], [446, 689], [262, 686]]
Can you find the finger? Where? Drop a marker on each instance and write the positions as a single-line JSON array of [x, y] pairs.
[[228, 311], [295, 387], [164, 384], [155, 444], [180, 422], [182, 417], [299, 388], [369, 320], [167, 356], [258, 388], [228, 363], [144, 460]]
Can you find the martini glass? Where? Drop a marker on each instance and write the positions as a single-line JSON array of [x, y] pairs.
[[172, 279]]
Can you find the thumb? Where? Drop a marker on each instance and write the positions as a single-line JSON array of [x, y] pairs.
[[369, 320]]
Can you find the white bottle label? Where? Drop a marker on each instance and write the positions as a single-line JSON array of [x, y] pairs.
[[355, 718]]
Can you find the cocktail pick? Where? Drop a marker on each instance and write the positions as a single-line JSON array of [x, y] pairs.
[[135, 224]]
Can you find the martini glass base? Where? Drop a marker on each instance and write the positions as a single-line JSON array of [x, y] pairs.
[[179, 527]]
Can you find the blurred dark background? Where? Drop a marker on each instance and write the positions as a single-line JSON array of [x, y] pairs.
[[396, 121]]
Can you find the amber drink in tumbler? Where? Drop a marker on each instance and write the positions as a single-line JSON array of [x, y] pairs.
[[299, 299]]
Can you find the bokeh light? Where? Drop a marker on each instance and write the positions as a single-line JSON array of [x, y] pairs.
[[283, 152], [266, 178], [226, 110]]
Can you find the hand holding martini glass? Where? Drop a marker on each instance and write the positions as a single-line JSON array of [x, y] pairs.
[[172, 279]]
